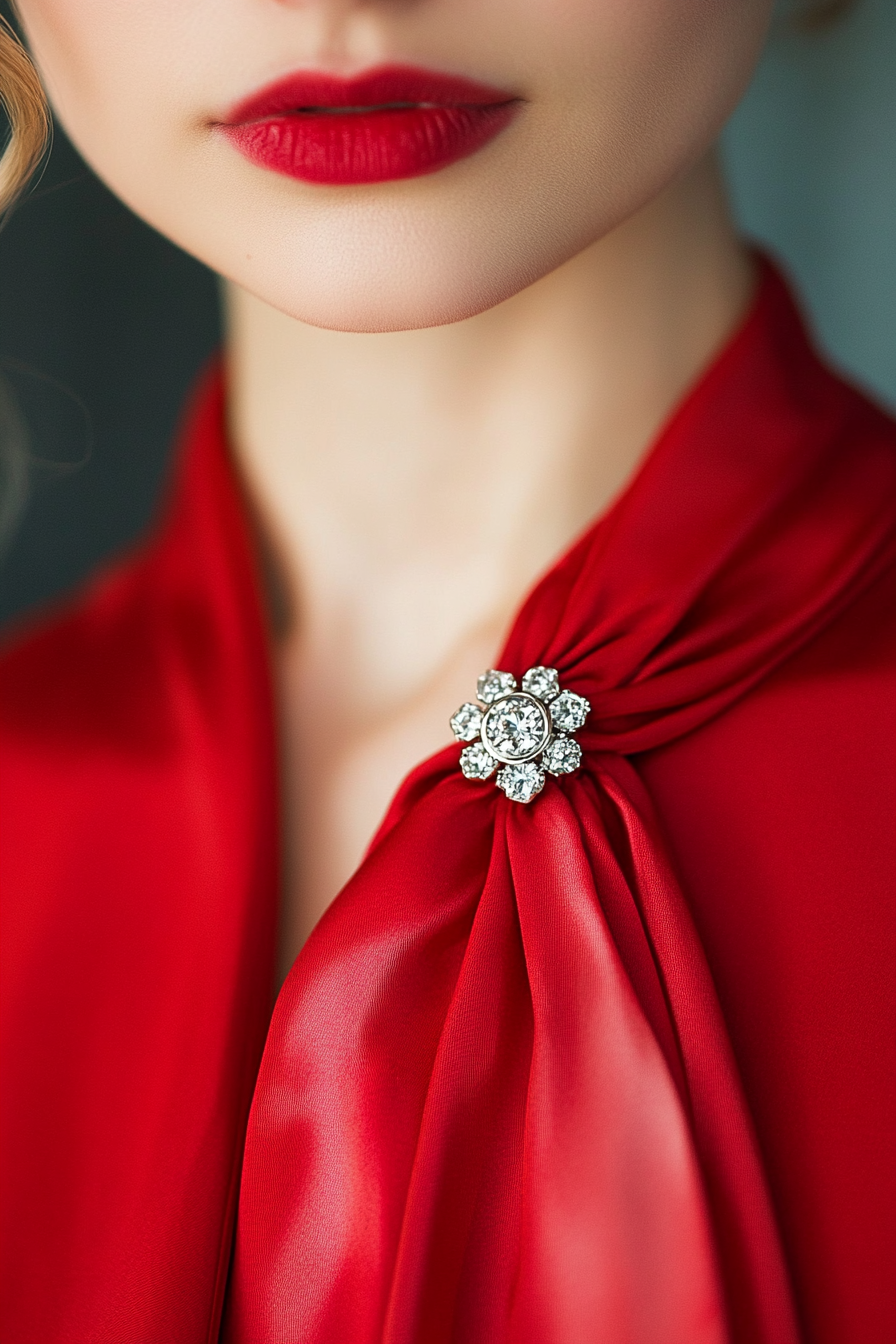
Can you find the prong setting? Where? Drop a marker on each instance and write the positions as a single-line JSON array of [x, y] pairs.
[[523, 728]]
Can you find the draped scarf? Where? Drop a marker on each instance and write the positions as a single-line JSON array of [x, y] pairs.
[[497, 1103]]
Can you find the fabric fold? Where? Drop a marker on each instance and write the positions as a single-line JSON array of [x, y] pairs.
[[498, 1104], [616, 1238]]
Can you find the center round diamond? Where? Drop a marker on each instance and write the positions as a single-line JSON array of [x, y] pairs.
[[516, 728]]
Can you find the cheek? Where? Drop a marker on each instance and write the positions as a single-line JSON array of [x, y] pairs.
[[130, 81], [656, 80], [105, 61], [658, 61]]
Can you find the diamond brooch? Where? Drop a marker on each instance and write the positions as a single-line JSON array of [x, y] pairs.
[[522, 732]]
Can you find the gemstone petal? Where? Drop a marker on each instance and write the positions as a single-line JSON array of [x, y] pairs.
[[569, 711], [466, 723], [543, 682], [477, 763], [521, 782], [562, 755], [493, 684]]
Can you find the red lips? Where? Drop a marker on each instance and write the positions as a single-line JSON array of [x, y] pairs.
[[389, 123]]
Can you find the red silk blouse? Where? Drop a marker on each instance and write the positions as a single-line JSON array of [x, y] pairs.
[[616, 1067]]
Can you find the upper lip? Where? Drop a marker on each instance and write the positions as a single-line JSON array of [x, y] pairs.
[[383, 86]]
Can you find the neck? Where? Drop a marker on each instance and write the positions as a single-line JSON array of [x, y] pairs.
[[413, 485]]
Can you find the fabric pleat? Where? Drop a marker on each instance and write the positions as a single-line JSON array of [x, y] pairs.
[[498, 1101], [498, 1104]]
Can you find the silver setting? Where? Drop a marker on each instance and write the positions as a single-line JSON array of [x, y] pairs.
[[521, 782], [516, 728], [477, 762], [543, 682], [524, 731], [562, 756], [569, 711], [466, 723], [492, 685]]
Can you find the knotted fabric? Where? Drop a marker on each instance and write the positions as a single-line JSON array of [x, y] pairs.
[[497, 1103]]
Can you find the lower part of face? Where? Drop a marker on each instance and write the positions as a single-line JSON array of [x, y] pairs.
[[611, 100]]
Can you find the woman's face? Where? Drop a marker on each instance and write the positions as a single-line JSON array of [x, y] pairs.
[[589, 108]]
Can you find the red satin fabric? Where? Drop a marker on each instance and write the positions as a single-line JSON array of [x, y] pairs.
[[498, 1099]]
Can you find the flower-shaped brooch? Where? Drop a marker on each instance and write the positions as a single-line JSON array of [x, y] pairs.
[[523, 730]]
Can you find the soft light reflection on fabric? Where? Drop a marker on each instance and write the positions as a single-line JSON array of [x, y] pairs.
[[498, 1099]]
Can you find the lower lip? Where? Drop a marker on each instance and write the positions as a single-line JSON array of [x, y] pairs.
[[381, 145]]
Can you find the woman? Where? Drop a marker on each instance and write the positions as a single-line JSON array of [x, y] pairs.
[[593, 1055]]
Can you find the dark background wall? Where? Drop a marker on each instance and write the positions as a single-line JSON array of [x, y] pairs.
[[103, 324]]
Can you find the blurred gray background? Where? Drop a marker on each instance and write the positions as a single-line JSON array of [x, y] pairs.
[[103, 325]]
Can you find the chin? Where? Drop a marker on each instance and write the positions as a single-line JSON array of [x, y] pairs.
[[391, 313], [378, 297], [394, 258], [402, 278]]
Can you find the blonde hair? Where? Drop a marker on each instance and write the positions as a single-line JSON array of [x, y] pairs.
[[29, 117]]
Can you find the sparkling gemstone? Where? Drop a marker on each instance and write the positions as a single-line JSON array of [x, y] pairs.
[[467, 722], [521, 782], [477, 763], [562, 755], [569, 711], [516, 728], [543, 682], [493, 684]]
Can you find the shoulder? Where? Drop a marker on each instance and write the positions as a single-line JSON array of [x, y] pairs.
[[86, 672], [810, 752], [780, 816], [99, 668]]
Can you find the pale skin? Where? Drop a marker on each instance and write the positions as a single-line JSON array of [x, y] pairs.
[[434, 384]]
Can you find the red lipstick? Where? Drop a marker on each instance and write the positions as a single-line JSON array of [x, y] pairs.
[[388, 123]]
